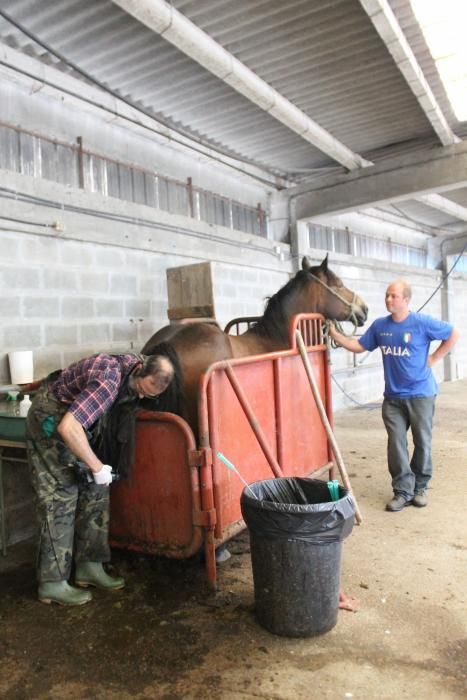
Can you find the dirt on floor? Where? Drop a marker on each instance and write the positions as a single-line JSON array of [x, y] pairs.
[[166, 636]]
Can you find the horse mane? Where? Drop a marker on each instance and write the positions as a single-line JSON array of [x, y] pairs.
[[274, 322], [172, 399]]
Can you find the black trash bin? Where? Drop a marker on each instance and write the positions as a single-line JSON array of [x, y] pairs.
[[296, 536]]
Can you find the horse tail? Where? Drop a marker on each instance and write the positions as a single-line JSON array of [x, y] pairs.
[[172, 399]]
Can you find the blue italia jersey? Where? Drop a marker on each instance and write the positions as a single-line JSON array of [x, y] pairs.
[[405, 346]]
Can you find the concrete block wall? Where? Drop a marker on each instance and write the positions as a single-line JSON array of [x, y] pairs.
[[88, 273], [244, 290], [97, 283]]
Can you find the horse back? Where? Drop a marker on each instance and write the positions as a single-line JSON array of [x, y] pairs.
[[163, 335], [197, 345]]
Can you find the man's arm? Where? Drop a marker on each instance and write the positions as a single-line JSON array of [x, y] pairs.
[[348, 343], [75, 438], [443, 348]]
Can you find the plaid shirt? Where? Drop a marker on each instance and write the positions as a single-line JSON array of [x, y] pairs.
[[91, 386]]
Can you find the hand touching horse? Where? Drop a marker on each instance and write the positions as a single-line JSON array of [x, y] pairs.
[[312, 290]]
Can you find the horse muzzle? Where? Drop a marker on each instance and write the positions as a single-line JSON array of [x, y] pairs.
[[360, 311]]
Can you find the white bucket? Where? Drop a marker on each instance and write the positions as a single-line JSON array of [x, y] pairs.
[[21, 368]]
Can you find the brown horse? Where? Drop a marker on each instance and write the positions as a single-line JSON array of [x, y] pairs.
[[312, 290]]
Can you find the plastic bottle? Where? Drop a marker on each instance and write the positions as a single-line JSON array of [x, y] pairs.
[[24, 406]]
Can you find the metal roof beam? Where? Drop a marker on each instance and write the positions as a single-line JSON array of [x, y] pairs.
[[435, 201], [395, 179], [390, 32]]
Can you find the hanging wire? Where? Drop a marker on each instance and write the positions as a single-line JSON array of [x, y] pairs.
[[369, 406], [444, 278]]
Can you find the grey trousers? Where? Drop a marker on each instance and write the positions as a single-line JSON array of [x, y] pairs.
[[409, 476]]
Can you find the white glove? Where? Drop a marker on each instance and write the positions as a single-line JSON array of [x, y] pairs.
[[104, 476]]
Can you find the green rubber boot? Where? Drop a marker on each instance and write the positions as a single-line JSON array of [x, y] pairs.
[[62, 593], [91, 573]]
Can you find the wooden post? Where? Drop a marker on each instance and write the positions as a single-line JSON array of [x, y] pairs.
[[189, 186], [80, 162], [327, 425]]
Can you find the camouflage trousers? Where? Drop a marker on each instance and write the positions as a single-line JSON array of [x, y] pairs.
[[73, 516]]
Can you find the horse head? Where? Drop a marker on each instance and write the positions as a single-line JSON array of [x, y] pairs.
[[335, 301]]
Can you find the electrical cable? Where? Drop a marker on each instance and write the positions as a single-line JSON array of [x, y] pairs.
[[370, 406], [443, 279], [28, 223], [10, 194], [404, 215]]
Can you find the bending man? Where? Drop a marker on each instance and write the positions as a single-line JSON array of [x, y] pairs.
[[81, 421]]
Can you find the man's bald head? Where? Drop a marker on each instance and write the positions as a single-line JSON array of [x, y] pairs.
[[402, 287]]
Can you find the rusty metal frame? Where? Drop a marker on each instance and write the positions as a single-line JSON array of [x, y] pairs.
[[311, 327], [201, 515], [209, 527], [247, 321]]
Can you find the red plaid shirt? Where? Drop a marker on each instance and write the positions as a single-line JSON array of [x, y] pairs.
[[91, 386]]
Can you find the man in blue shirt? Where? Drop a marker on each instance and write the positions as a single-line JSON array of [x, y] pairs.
[[404, 338]]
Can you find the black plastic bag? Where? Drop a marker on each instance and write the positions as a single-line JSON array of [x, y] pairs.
[[297, 508]]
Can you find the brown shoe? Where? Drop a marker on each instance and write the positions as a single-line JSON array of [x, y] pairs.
[[420, 499], [397, 503]]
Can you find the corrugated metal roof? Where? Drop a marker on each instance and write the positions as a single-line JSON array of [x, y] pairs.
[[409, 25], [325, 56]]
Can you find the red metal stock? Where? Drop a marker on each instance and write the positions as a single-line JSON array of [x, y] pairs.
[[257, 411]]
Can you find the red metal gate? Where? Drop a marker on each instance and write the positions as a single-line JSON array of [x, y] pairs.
[[260, 413]]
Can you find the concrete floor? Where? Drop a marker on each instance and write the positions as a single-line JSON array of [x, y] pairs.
[[166, 637]]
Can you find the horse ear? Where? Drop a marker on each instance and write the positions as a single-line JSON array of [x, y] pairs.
[[324, 264], [306, 262]]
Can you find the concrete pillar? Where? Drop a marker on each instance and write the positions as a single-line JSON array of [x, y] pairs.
[[448, 306], [279, 218], [434, 253], [299, 238]]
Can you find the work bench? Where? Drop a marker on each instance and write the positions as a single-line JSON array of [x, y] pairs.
[[12, 437]]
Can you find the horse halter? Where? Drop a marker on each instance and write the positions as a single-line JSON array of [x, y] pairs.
[[351, 304]]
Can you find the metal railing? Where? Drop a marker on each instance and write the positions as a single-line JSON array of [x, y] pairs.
[[33, 154]]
